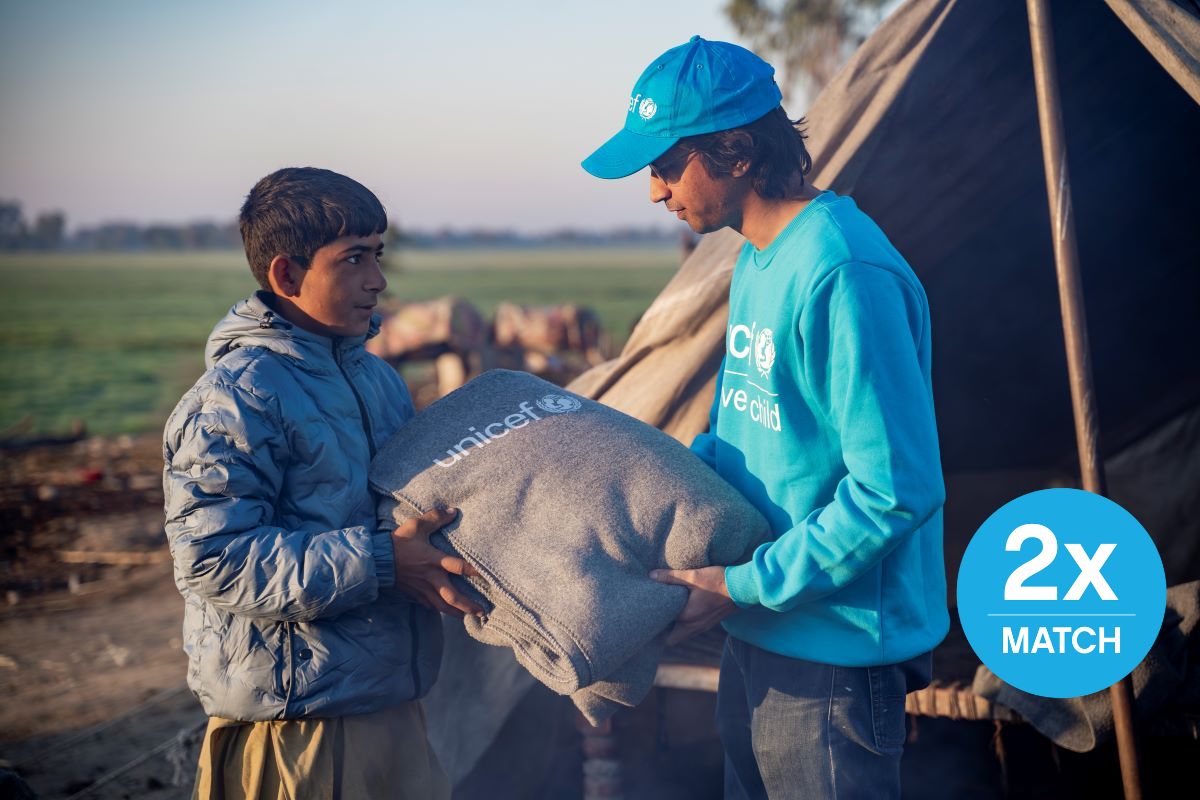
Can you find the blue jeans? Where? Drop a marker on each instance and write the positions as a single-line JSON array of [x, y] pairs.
[[794, 728]]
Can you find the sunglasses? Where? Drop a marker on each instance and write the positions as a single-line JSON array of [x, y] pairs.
[[670, 167]]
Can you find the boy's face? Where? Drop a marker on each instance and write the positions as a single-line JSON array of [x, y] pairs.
[[680, 181], [339, 289]]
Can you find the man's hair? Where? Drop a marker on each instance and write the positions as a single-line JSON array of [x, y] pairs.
[[296, 211], [773, 145]]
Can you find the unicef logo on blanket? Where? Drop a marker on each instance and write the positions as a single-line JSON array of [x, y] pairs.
[[646, 110], [558, 403], [764, 351]]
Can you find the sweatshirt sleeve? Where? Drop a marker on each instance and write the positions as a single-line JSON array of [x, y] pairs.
[[860, 336], [224, 453]]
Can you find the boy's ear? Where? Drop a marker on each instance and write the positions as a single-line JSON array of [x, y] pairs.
[[285, 276]]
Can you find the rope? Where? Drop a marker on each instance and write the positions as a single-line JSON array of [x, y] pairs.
[[174, 742], [87, 733]]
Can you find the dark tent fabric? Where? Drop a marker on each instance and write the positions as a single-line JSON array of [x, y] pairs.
[[1170, 32], [953, 172]]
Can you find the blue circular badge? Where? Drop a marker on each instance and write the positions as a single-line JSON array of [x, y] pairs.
[[1061, 593]]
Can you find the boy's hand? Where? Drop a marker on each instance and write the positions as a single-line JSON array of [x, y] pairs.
[[708, 603], [422, 570]]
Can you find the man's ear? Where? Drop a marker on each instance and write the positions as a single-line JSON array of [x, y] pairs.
[[744, 142], [285, 276]]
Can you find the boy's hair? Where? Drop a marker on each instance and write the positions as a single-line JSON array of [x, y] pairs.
[[296, 211], [773, 144]]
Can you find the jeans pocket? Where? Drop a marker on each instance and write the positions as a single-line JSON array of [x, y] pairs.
[[887, 707]]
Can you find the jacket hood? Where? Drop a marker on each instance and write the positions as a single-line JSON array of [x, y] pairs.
[[253, 323]]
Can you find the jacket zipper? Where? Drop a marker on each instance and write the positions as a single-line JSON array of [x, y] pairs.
[[412, 611], [288, 651], [362, 408]]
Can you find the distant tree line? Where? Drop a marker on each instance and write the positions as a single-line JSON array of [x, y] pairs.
[[131, 236], [565, 237], [48, 232]]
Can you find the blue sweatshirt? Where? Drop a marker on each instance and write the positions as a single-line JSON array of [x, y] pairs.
[[823, 418]]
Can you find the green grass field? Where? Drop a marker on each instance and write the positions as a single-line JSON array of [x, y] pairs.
[[115, 339]]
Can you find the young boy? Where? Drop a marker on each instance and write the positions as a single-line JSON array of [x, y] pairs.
[[310, 626], [823, 418]]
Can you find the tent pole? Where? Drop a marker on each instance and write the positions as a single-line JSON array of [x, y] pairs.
[[1079, 363]]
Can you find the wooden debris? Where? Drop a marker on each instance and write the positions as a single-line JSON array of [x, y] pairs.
[[118, 557]]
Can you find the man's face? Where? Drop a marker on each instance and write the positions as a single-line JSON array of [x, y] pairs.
[[341, 286], [679, 180]]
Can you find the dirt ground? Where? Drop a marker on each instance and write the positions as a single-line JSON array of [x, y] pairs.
[[91, 669]]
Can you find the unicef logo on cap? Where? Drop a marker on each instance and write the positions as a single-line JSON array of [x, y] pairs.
[[558, 403], [647, 108]]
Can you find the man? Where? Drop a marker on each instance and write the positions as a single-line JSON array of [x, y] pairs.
[[309, 624], [823, 417]]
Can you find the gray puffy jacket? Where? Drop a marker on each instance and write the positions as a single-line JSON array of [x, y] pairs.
[[285, 568]]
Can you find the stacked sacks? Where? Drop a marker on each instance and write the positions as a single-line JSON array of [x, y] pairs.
[[566, 507]]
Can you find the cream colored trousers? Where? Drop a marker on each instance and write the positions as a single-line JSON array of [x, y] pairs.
[[376, 756]]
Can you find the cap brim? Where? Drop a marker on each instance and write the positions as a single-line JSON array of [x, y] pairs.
[[626, 153]]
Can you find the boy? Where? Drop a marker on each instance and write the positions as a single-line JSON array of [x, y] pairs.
[[311, 627], [823, 418]]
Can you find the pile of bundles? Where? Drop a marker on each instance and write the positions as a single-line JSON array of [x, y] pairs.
[[556, 342], [548, 330], [421, 331]]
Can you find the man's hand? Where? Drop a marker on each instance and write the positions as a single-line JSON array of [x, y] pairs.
[[708, 603], [424, 571]]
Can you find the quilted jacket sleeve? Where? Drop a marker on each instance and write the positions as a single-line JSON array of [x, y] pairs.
[[224, 448]]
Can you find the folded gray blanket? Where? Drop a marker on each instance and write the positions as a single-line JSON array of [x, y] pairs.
[[566, 507], [1166, 683]]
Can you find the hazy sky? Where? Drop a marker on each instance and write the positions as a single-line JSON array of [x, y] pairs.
[[464, 113]]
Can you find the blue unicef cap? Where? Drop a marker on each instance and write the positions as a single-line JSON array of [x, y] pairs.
[[698, 87]]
